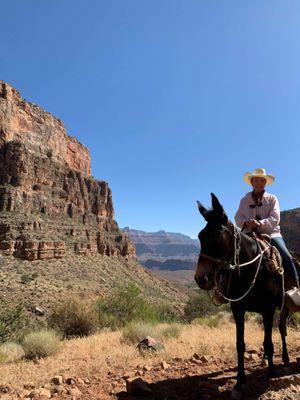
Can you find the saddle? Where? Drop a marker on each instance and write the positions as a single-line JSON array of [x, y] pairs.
[[271, 254]]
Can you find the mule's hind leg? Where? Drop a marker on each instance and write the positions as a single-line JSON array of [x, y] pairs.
[[239, 317], [268, 317], [282, 329]]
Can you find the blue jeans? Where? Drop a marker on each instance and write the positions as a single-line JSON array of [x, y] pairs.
[[287, 260]]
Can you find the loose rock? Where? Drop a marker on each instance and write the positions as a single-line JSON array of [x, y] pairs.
[[150, 344]]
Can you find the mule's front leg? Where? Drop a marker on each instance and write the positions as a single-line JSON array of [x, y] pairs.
[[268, 317], [239, 317], [282, 328]]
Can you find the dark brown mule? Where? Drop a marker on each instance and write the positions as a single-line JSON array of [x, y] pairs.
[[250, 287]]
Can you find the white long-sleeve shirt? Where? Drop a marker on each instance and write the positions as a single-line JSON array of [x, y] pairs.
[[269, 213]]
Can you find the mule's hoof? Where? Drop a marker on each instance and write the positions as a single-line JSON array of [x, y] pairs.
[[236, 394]]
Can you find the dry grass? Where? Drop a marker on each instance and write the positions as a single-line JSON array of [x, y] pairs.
[[41, 344], [97, 354]]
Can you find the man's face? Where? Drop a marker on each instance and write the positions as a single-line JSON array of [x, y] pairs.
[[258, 184]]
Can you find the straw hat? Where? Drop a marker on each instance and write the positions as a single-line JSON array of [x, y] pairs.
[[259, 173]]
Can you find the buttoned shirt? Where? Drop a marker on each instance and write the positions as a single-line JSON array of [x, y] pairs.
[[268, 213]]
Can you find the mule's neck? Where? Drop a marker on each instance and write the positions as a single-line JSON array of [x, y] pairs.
[[249, 248]]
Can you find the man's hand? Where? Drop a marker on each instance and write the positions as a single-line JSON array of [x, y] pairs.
[[251, 224]]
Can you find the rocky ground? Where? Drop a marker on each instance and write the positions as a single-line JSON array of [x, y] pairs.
[[199, 377]]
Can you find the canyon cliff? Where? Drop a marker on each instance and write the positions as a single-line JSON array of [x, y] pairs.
[[49, 202], [290, 227]]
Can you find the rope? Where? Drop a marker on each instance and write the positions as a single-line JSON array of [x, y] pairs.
[[236, 256], [251, 285]]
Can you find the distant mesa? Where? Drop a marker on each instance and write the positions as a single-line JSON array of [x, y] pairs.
[[49, 202], [174, 251], [164, 250]]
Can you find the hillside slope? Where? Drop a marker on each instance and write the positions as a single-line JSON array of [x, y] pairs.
[[41, 283]]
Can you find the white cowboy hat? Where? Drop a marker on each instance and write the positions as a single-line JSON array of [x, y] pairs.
[[259, 173]]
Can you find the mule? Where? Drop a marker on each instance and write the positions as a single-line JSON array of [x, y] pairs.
[[228, 255]]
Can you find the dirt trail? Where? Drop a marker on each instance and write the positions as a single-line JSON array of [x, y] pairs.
[[189, 380]]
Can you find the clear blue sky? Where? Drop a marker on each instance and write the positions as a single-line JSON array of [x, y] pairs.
[[174, 99]]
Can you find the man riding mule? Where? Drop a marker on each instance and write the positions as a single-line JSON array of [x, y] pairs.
[[231, 256], [259, 212]]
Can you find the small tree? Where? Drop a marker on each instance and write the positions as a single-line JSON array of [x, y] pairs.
[[12, 323]]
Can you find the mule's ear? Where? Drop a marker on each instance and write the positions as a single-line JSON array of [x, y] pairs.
[[202, 209], [216, 204], [218, 208]]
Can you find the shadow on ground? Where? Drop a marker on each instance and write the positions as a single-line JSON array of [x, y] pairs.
[[212, 386]]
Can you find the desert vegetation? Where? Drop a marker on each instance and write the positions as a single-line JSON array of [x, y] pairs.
[[83, 338]]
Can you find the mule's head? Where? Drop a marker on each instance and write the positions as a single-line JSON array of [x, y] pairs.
[[214, 243]]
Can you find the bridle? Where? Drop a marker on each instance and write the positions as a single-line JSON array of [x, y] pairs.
[[226, 263]]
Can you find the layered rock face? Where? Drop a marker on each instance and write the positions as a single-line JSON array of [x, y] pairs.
[[49, 202], [290, 227]]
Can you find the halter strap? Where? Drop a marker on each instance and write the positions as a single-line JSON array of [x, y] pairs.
[[207, 257]]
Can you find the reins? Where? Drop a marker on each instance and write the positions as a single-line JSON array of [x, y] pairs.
[[236, 265], [252, 282]]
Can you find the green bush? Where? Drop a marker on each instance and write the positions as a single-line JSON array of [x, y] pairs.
[[171, 331], [294, 321], [211, 322], [26, 278], [199, 305], [129, 305], [13, 323], [166, 313], [11, 351], [73, 317], [41, 344]]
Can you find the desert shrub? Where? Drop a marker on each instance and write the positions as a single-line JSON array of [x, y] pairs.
[[41, 344], [294, 321], [108, 320], [26, 278], [11, 351], [203, 349], [134, 332], [13, 323], [129, 305], [170, 331], [73, 317], [211, 321], [166, 313], [254, 318], [200, 305]]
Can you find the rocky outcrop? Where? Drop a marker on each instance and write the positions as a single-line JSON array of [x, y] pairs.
[[49, 202], [290, 227]]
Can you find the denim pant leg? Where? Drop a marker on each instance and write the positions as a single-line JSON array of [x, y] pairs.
[[288, 262]]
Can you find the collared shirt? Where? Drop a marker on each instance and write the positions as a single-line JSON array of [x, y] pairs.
[[268, 212]]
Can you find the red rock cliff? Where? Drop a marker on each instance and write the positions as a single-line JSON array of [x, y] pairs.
[[49, 202]]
